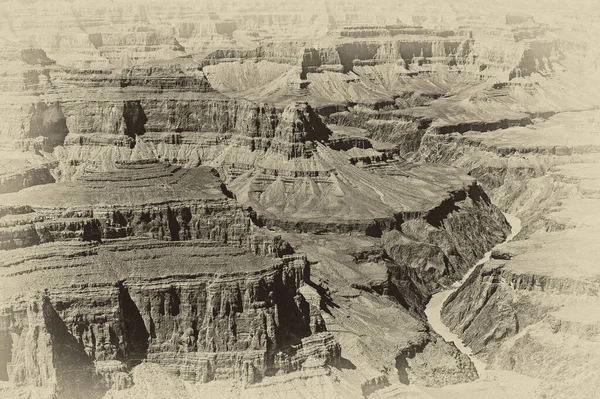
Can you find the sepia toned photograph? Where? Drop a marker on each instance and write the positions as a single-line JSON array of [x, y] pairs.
[[278, 199]]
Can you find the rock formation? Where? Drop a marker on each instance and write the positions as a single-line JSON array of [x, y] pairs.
[[259, 198]]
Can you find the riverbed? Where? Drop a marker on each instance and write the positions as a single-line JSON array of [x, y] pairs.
[[434, 307]]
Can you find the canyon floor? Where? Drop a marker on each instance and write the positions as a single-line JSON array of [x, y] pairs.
[[328, 199]]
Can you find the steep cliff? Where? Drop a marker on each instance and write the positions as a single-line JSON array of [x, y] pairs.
[[536, 294], [258, 197], [204, 317], [193, 287]]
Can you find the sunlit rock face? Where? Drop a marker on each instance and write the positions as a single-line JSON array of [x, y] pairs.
[[259, 198]]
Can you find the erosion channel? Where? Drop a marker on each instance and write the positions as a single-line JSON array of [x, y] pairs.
[[434, 306]]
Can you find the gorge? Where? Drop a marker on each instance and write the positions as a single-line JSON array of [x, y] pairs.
[[269, 198], [433, 311]]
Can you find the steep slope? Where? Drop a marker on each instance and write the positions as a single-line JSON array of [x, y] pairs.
[[537, 295], [256, 199]]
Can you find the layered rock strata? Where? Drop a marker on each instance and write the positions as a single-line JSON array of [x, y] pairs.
[[192, 287], [537, 293], [318, 121]]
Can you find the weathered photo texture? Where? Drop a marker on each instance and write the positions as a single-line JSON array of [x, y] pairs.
[[299, 199]]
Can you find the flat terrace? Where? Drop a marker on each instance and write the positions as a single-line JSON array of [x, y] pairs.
[[575, 132], [347, 194], [138, 183], [76, 265]]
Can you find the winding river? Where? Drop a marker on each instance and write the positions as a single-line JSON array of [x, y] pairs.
[[434, 307]]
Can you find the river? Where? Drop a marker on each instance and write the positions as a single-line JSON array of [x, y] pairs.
[[434, 307]]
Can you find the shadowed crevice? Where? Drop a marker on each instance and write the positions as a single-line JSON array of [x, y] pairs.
[[135, 120], [75, 371], [136, 333], [173, 224], [49, 121], [402, 365]]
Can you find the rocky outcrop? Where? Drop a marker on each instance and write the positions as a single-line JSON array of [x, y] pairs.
[[179, 75], [213, 216], [202, 294], [535, 293], [299, 123], [451, 365], [19, 180], [118, 118], [45, 354], [208, 327]]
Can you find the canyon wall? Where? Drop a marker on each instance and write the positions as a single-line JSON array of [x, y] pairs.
[[536, 293], [267, 196]]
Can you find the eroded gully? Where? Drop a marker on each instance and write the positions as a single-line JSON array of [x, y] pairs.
[[434, 307]]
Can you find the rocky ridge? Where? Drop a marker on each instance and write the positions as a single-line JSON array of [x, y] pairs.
[[547, 274], [184, 161]]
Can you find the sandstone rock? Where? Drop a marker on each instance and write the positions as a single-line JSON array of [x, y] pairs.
[[256, 198]]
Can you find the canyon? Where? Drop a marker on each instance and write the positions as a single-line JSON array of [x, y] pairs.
[[271, 198]]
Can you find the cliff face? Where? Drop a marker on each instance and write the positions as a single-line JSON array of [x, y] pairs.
[[238, 328], [45, 354], [199, 191], [537, 292], [193, 288], [203, 328]]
